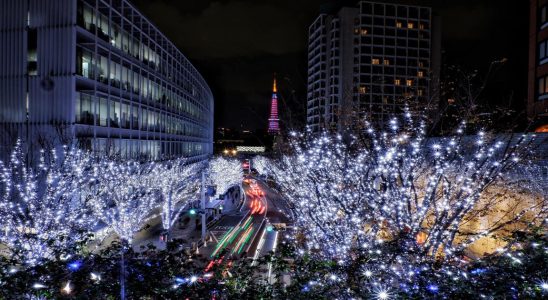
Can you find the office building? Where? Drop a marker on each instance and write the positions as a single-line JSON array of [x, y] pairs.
[[537, 100], [98, 72], [369, 61]]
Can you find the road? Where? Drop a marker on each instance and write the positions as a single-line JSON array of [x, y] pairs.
[[248, 233]]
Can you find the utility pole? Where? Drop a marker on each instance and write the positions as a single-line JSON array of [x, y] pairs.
[[203, 194]]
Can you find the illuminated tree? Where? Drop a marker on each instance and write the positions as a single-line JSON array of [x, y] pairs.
[[178, 182], [122, 195], [224, 173], [353, 192], [41, 208], [261, 164]]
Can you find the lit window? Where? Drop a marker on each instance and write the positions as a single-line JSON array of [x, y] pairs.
[[32, 56], [375, 61], [451, 101], [420, 93], [409, 82], [397, 82], [387, 62], [356, 31], [420, 74], [421, 64], [543, 52], [362, 90], [399, 24], [421, 26], [541, 86], [363, 32], [410, 25]]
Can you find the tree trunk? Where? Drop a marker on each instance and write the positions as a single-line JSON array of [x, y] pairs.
[[123, 272]]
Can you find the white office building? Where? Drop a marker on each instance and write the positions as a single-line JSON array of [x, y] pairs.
[[98, 72]]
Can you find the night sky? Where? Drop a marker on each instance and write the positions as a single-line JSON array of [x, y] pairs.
[[238, 45]]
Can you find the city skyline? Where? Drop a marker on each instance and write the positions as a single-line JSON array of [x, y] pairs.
[[474, 33], [244, 149]]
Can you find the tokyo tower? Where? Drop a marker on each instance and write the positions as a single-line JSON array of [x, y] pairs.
[[274, 121]]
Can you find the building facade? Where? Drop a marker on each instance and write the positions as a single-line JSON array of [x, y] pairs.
[[99, 72], [369, 61], [537, 100]]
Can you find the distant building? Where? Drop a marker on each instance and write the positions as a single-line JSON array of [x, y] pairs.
[[369, 61], [274, 120], [99, 72], [537, 100]]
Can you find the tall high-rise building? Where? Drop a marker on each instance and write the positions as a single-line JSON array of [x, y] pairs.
[[370, 61], [274, 120], [100, 73], [537, 100]]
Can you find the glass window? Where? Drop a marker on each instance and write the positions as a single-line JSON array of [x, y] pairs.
[[144, 123], [135, 48], [124, 78], [78, 108], [151, 121], [114, 113], [135, 116], [112, 72], [103, 28], [103, 70], [136, 83], [125, 42], [89, 17], [542, 52], [118, 75], [124, 115], [84, 110], [103, 111], [541, 86], [117, 39]]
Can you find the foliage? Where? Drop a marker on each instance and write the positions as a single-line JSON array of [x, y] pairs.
[[519, 272]]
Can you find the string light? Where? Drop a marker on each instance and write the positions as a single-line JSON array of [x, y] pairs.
[[122, 195], [42, 203], [353, 195], [224, 173], [67, 289], [178, 183]]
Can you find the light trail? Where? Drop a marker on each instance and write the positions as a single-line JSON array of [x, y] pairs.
[[273, 251], [259, 248], [243, 240], [229, 237]]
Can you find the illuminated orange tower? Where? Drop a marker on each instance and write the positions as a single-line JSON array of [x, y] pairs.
[[274, 121]]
